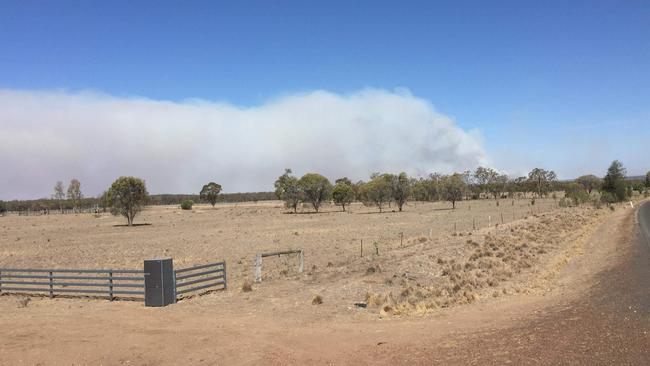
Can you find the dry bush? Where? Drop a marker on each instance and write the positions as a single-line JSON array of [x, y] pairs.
[[317, 300], [23, 301], [247, 287]]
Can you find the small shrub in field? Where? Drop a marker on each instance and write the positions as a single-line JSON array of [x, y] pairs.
[[577, 193], [317, 300], [187, 204], [607, 198], [23, 301], [596, 203], [246, 287], [564, 202]]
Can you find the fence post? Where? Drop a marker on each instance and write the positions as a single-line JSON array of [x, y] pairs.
[[159, 284], [225, 277], [51, 286], [110, 286], [258, 268], [301, 258]]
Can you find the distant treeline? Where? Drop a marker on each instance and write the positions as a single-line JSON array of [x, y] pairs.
[[176, 199], [94, 203]]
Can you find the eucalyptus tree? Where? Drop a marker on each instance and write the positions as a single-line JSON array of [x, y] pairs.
[[210, 192], [127, 196], [343, 192], [287, 190], [315, 188]]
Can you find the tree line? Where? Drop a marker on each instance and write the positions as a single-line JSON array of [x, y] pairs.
[[384, 189], [128, 195], [83, 203]]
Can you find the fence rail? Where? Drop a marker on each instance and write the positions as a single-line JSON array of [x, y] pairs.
[[212, 278], [102, 282]]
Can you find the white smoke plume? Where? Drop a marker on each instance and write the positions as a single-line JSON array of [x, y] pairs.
[[176, 147]]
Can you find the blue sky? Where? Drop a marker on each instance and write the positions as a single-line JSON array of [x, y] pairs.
[[564, 85]]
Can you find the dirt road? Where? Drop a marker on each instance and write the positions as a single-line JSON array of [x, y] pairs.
[[598, 312]]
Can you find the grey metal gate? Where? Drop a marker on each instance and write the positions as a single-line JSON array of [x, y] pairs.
[[111, 283], [200, 279]]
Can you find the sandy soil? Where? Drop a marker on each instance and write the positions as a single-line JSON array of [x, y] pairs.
[[437, 302]]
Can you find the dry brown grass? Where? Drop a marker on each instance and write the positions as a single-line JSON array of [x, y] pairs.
[[499, 263], [246, 287], [317, 300], [432, 267], [22, 302]]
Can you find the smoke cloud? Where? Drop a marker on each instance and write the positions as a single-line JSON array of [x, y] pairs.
[[179, 146]]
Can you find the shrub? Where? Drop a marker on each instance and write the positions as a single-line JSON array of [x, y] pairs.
[[187, 204], [246, 287], [577, 193], [317, 300], [596, 203], [564, 202], [607, 198]]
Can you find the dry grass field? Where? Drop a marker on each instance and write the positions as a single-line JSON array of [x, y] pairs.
[[428, 273], [424, 258], [235, 232]]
